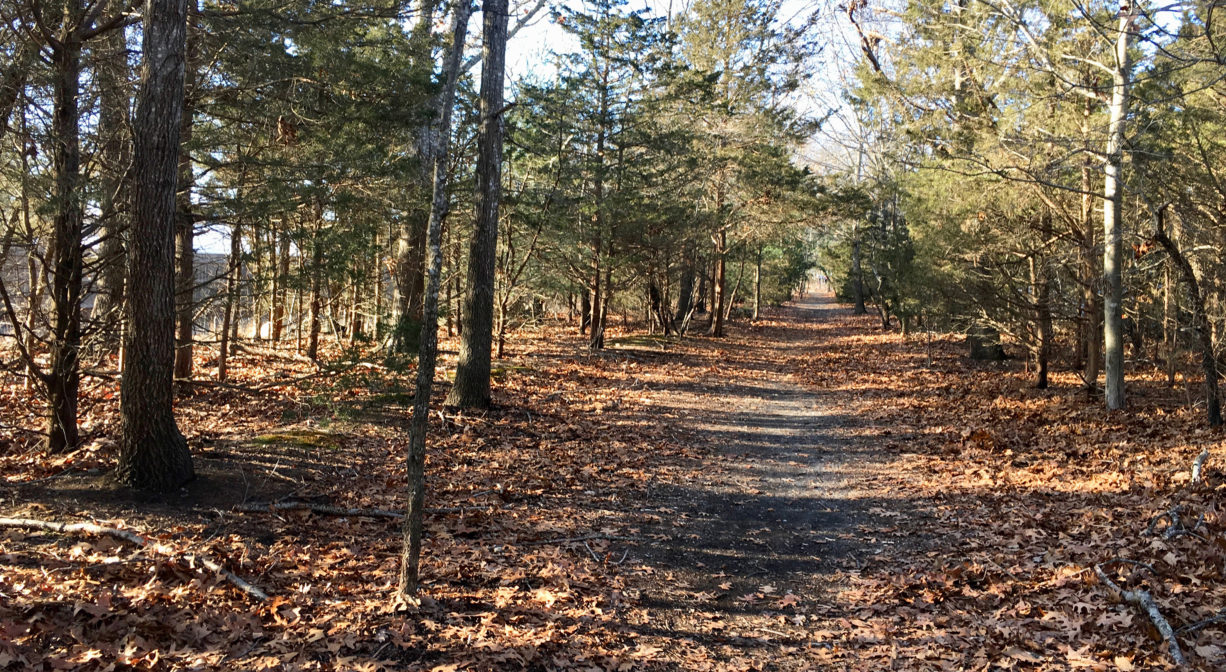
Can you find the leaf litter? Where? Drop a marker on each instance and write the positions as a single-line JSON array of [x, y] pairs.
[[970, 542]]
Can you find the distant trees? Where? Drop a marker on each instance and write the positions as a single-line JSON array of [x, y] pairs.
[[1009, 126]]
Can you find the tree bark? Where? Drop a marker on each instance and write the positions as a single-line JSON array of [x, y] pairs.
[[717, 300], [1043, 322], [472, 380], [428, 343], [235, 268], [114, 155], [1090, 277], [282, 277], [317, 262], [153, 455], [411, 238], [1113, 328], [1170, 334], [857, 275], [757, 284], [64, 378], [185, 224]]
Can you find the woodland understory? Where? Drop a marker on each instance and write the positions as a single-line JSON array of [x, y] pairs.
[[983, 510]]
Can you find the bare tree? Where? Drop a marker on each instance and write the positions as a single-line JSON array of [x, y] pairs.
[[428, 346]]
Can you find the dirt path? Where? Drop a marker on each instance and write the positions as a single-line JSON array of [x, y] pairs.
[[790, 496]]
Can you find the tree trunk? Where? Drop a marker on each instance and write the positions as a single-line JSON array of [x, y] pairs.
[[857, 275], [1042, 313], [153, 455], [282, 277], [685, 292], [185, 234], [717, 299], [1200, 319], [411, 239], [1113, 331], [317, 259], [585, 310], [984, 342], [64, 378], [472, 379], [114, 154], [1170, 333], [757, 285], [428, 342], [235, 267], [33, 277], [1092, 302]]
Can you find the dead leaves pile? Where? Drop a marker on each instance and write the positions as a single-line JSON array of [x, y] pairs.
[[1023, 492], [521, 572]]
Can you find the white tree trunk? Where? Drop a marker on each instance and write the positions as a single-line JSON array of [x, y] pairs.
[[1113, 331]]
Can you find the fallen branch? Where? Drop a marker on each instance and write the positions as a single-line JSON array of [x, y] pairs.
[[1200, 625], [575, 540], [326, 510], [136, 540], [1175, 526], [321, 509], [1143, 600], [1198, 465]]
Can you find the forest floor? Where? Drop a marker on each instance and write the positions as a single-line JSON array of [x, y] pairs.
[[809, 492]]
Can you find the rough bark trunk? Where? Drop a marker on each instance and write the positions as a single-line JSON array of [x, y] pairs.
[[317, 259], [185, 224], [114, 155], [1042, 315], [1113, 328], [278, 306], [235, 266], [153, 455], [428, 342], [585, 311], [717, 299], [63, 379], [472, 380]]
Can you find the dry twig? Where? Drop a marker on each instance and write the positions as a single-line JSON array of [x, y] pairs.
[[326, 510], [136, 540]]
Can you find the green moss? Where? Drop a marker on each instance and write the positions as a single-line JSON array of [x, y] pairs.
[[300, 438]]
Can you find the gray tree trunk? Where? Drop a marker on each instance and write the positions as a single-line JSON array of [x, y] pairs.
[[428, 343], [153, 454], [1113, 290], [718, 283], [472, 379]]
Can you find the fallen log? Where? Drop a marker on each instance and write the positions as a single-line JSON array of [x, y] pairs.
[[136, 540]]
